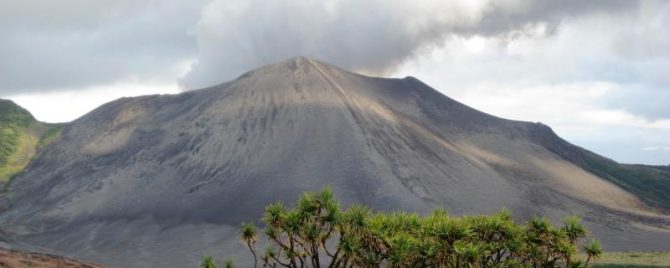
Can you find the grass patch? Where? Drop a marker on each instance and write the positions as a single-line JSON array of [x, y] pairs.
[[623, 266], [633, 259], [17, 153], [50, 135]]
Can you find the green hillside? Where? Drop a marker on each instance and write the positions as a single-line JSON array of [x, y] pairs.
[[21, 137], [650, 183]]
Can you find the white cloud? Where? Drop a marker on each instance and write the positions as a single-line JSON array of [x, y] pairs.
[[656, 148], [67, 105], [575, 79]]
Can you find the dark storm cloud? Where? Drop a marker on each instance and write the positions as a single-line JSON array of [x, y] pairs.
[[56, 45]]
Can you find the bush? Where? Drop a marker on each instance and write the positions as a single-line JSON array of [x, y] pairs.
[[317, 232], [208, 262]]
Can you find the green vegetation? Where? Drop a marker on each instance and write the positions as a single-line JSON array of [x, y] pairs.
[[634, 259], [208, 262], [12, 113], [623, 266], [21, 136], [318, 233], [228, 263], [650, 183], [17, 138], [50, 135], [17, 147]]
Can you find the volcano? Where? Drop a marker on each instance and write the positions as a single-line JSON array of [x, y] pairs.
[[162, 180]]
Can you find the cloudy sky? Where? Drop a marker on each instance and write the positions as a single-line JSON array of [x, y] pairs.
[[596, 71]]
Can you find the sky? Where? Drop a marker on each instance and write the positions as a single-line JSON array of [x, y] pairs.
[[596, 71]]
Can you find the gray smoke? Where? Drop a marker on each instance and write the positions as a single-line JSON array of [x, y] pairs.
[[368, 36], [76, 44]]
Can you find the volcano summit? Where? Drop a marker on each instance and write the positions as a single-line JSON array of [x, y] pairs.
[[163, 180]]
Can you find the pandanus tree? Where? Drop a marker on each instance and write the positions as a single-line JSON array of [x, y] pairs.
[[228, 263], [317, 233], [248, 236], [208, 262], [593, 250]]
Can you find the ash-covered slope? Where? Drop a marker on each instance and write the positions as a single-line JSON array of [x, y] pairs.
[[162, 180]]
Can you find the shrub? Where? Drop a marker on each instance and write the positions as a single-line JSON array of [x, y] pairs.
[[208, 262], [318, 233]]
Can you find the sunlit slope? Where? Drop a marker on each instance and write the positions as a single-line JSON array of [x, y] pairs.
[[650, 183]]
